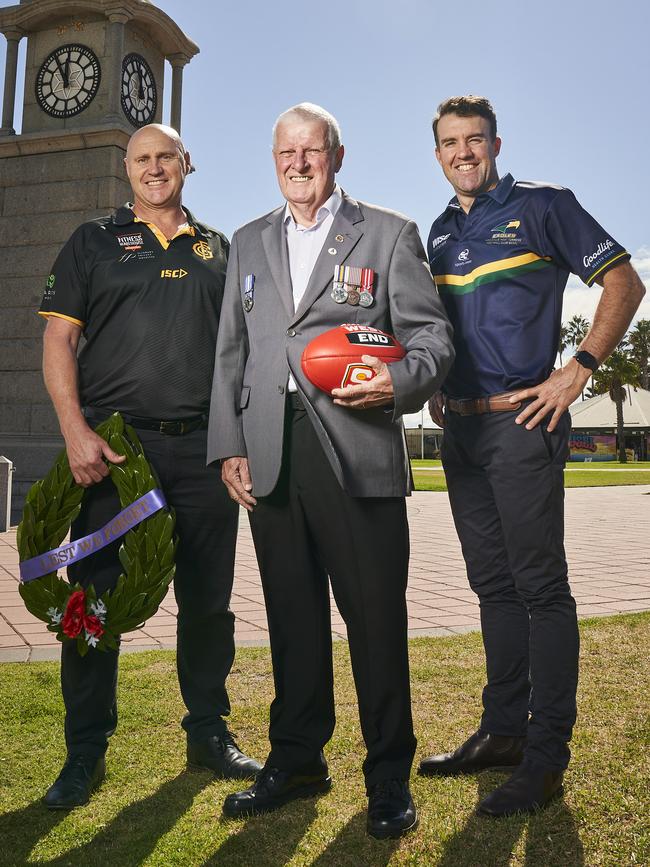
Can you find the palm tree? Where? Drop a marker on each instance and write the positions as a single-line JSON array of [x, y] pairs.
[[577, 328], [576, 331], [563, 342], [619, 370], [639, 339]]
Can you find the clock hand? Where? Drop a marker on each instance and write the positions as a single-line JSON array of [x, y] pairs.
[[60, 68], [66, 83], [140, 88]]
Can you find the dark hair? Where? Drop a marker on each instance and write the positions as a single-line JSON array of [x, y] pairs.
[[466, 106]]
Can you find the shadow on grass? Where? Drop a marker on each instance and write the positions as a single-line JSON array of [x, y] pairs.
[[352, 846], [21, 830], [551, 836], [125, 841], [271, 840]]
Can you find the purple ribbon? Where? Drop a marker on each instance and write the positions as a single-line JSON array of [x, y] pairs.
[[126, 520]]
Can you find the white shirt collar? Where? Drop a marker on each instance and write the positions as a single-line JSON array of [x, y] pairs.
[[331, 206]]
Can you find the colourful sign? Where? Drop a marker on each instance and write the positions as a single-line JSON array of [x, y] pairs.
[[588, 447]]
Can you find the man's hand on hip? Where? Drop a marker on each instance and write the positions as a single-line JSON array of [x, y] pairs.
[[237, 479], [555, 394], [87, 456], [377, 391], [436, 407]]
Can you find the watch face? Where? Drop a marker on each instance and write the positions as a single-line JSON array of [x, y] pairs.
[[139, 96], [67, 80]]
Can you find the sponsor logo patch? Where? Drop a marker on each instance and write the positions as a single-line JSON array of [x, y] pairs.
[[173, 273], [50, 281], [438, 241], [130, 242], [599, 253]]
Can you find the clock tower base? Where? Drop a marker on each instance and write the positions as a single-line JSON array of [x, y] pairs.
[[50, 184]]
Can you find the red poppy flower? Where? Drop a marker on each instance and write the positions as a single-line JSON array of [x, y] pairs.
[[73, 619], [93, 625]]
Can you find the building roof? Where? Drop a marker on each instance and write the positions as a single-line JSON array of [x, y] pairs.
[[600, 411]]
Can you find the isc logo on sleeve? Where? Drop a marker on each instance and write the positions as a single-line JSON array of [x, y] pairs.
[[176, 273]]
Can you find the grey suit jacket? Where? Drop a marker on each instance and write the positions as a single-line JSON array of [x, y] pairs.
[[256, 349]]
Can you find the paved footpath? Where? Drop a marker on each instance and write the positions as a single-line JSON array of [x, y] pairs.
[[607, 541]]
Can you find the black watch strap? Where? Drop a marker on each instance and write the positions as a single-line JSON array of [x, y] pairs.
[[586, 359]]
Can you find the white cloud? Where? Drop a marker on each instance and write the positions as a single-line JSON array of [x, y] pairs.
[[582, 300]]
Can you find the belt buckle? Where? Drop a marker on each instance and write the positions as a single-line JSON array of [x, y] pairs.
[[465, 407], [171, 428]]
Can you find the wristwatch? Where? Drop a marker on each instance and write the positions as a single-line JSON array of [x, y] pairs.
[[586, 359]]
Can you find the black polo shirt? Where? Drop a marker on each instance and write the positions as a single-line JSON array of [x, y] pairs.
[[149, 310]]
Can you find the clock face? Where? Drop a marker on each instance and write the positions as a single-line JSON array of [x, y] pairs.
[[139, 97], [67, 80]]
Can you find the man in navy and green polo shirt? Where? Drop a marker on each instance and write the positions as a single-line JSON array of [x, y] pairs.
[[144, 287], [501, 254]]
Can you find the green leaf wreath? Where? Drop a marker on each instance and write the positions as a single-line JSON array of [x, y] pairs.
[[146, 553]]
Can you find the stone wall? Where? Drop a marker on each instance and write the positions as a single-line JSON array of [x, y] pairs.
[[48, 186]]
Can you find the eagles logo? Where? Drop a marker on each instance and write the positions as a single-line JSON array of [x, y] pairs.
[[203, 250]]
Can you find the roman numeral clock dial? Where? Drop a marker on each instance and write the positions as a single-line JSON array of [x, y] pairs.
[[67, 80], [139, 97]]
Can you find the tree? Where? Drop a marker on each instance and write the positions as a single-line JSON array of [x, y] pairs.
[[563, 342], [612, 376], [639, 339], [577, 328]]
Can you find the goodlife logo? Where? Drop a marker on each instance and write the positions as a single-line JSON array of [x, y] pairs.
[[603, 247]]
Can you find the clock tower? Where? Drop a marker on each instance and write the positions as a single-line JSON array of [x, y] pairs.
[[94, 73]]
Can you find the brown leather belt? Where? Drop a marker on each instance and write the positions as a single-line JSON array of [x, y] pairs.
[[479, 405]]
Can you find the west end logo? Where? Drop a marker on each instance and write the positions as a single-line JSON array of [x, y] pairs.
[[203, 250]]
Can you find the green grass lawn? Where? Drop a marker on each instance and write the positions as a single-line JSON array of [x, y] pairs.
[[576, 476], [150, 811]]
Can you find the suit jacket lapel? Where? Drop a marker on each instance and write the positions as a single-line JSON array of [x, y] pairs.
[[347, 216], [275, 246]]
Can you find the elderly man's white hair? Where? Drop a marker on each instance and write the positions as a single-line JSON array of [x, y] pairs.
[[310, 111]]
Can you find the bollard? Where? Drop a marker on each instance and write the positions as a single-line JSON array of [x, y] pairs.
[[6, 470]]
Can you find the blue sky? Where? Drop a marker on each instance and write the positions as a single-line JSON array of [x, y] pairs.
[[568, 79]]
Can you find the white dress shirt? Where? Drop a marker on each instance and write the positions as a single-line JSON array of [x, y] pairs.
[[304, 244]]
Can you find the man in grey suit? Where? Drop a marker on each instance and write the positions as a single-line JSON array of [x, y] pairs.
[[324, 476]]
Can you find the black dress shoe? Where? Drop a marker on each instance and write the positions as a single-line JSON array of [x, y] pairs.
[[273, 789], [530, 788], [391, 811], [79, 777], [221, 754], [482, 750]]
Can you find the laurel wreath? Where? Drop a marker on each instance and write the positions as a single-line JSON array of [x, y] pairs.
[[146, 553]]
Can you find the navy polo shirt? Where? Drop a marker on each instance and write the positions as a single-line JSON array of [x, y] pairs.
[[501, 271], [149, 311]]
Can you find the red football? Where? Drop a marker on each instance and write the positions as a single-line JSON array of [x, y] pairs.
[[333, 359]]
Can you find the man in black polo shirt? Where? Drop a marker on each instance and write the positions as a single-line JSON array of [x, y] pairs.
[[144, 287], [501, 254]]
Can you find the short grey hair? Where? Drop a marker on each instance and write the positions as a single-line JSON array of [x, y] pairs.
[[312, 112]]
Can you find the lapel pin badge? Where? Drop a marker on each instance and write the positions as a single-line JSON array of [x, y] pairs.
[[249, 292]]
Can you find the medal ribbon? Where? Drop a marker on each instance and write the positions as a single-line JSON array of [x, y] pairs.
[[367, 280], [118, 526]]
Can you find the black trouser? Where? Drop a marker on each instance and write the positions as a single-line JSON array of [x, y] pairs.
[[206, 525], [506, 489], [307, 529]]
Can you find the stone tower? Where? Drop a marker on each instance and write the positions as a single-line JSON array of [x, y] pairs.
[[94, 73]]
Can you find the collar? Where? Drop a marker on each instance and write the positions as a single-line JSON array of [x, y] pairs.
[[500, 193], [331, 206], [124, 215]]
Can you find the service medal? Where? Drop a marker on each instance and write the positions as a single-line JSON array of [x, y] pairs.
[[249, 292], [353, 297], [339, 294], [365, 299]]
